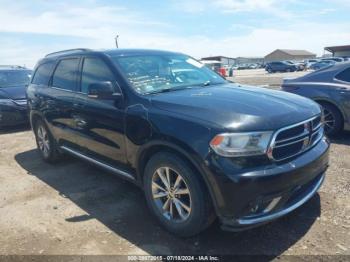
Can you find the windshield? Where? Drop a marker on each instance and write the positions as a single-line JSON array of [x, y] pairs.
[[157, 73], [14, 78]]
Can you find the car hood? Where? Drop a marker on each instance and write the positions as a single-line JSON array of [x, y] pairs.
[[238, 108], [13, 92]]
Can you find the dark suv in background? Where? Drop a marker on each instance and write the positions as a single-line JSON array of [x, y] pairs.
[[199, 146], [13, 102], [280, 66]]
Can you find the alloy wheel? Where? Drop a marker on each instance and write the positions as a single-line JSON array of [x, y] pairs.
[[171, 194], [43, 140], [328, 120]]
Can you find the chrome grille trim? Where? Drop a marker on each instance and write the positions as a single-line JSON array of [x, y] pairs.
[[308, 135], [292, 138], [291, 143]]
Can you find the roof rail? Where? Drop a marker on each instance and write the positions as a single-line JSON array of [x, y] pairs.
[[68, 51]]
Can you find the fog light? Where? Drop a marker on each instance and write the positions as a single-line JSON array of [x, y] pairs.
[[272, 204]]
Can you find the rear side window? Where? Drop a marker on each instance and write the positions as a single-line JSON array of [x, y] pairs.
[[66, 74], [344, 75], [43, 73], [94, 70]]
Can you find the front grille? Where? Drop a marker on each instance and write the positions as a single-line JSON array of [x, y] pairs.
[[293, 140]]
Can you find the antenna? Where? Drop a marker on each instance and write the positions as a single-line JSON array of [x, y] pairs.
[[116, 41]]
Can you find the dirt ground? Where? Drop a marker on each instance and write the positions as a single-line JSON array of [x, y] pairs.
[[74, 208]]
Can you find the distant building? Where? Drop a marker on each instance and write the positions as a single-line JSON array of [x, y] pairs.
[[343, 50], [224, 60], [287, 54], [249, 60]]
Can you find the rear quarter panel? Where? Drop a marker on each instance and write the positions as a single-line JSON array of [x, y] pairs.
[[330, 93]]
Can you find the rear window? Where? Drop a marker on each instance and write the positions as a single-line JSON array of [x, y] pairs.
[[65, 75], [344, 75], [43, 73]]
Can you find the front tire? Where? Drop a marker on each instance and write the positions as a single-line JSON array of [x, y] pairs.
[[46, 144], [177, 196]]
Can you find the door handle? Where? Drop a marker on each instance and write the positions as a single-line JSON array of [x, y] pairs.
[[80, 123]]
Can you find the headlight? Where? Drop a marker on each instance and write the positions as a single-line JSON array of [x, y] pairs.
[[241, 144], [5, 101]]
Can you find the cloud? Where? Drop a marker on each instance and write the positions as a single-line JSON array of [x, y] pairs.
[[78, 21], [93, 25], [245, 5]]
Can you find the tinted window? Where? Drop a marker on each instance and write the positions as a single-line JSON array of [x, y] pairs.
[[344, 75], [94, 70], [65, 74], [43, 74]]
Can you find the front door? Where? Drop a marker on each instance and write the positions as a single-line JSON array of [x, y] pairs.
[[100, 122]]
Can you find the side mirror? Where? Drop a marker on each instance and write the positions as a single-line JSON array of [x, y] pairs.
[[102, 90]]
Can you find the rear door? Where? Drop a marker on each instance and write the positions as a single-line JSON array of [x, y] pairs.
[[100, 122], [59, 101]]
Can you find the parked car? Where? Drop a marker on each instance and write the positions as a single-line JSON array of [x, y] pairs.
[[330, 87], [242, 66], [253, 66], [335, 59], [310, 62], [322, 64], [281, 66], [299, 65], [198, 145], [216, 66], [13, 102]]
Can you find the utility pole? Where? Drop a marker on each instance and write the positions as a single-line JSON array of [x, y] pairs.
[[116, 41]]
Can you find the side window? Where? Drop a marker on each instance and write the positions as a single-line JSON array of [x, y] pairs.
[[43, 73], [65, 74], [344, 75], [94, 70]]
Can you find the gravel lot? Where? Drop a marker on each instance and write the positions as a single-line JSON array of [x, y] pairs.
[[75, 208], [260, 77]]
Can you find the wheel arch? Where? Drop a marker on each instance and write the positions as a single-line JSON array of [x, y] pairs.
[[330, 102], [35, 116], [146, 153]]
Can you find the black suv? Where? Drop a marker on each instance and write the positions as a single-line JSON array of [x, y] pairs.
[[13, 102], [281, 66], [199, 146]]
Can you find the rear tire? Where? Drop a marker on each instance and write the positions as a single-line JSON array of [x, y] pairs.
[[45, 142], [195, 212], [333, 119]]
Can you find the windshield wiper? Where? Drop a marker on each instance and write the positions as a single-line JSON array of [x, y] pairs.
[[165, 90]]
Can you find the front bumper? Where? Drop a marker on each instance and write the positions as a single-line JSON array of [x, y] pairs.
[[249, 197], [11, 115]]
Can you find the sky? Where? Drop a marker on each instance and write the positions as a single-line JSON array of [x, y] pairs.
[[31, 29]]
